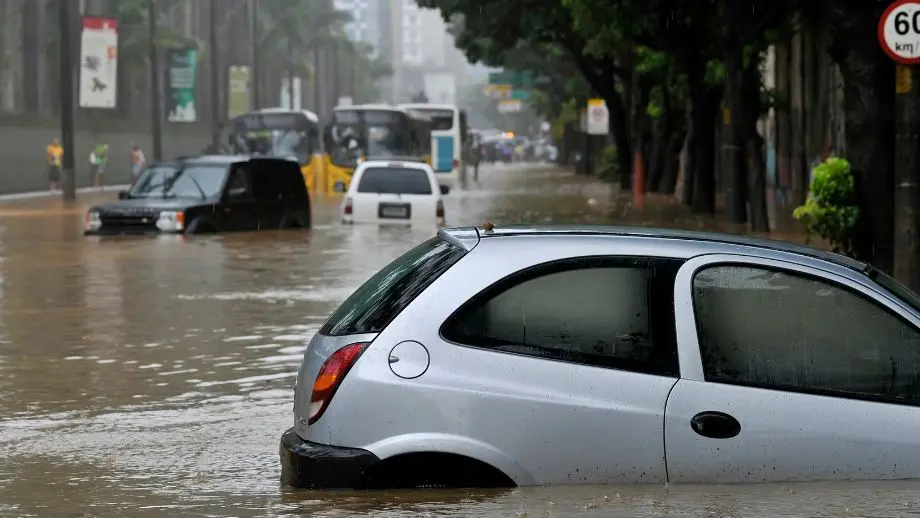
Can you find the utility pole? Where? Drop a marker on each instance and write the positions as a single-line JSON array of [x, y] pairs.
[[215, 76], [336, 86], [156, 104], [907, 176], [290, 71], [69, 188], [256, 65], [352, 72], [317, 84]]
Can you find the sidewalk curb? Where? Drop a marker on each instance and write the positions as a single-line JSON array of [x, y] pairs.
[[49, 194]]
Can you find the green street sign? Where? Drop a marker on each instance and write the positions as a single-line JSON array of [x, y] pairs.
[[521, 95], [519, 79]]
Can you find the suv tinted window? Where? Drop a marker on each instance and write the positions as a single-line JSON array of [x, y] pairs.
[[394, 180], [379, 300], [606, 312], [780, 330]]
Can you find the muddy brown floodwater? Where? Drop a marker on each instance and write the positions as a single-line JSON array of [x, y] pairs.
[[153, 377]]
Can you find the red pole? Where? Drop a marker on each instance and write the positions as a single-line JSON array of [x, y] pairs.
[[638, 183]]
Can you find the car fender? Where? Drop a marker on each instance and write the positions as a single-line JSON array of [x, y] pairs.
[[455, 444]]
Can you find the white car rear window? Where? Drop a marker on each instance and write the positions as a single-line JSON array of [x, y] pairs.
[[394, 180]]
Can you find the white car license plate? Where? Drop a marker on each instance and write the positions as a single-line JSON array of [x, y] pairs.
[[394, 211]]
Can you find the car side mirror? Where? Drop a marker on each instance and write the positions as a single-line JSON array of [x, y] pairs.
[[338, 187], [123, 195], [237, 192], [445, 189]]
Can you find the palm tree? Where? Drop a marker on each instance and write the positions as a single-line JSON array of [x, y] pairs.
[[291, 30]]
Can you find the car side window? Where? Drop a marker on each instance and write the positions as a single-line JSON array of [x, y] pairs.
[[239, 185], [606, 312], [777, 329]]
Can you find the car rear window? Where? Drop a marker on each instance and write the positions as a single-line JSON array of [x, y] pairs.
[[394, 180], [379, 300]]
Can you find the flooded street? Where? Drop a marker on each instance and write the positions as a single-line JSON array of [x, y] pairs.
[[153, 377]]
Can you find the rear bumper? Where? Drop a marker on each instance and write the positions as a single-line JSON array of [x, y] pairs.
[[309, 465]]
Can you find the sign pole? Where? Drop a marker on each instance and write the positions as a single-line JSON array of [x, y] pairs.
[[899, 36], [68, 187], [156, 104], [215, 75]]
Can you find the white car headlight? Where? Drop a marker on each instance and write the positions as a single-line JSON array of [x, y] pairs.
[[171, 221], [92, 221]]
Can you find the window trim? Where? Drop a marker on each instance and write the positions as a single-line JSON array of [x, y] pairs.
[[666, 327], [863, 289]]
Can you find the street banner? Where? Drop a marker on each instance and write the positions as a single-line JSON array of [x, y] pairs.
[[238, 100], [98, 62], [182, 67]]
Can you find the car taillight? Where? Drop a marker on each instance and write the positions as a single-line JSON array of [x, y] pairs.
[[330, 377], [439, 211], [348, 207], [456, 163]]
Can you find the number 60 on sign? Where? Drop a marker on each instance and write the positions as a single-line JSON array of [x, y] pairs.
[[899, 31]]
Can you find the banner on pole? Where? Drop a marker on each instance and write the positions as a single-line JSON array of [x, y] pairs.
[[238, 100], [98, 62], [182, 67]]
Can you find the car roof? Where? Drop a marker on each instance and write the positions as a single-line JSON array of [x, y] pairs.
[[395, 162], [220, 159], [467, 237]]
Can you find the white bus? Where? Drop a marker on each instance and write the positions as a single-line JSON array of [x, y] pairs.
[[449, 140]]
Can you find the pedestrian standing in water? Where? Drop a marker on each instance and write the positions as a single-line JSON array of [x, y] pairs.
[[138, 160], [97, 159], [55, 157]]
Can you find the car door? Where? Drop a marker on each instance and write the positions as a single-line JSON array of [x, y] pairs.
[[267, 190], [790, 372], [240, 207]]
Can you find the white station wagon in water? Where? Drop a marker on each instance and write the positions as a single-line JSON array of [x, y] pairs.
[[394, 192], [590, 355]]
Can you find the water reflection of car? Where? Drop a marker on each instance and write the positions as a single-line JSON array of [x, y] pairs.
[[391, 192], [588, 355], [207, 194]]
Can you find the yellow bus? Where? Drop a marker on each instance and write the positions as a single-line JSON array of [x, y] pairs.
[[281, 132], [371, 131]]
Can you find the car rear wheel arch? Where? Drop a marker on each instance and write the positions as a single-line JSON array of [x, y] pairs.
[[434, 469]]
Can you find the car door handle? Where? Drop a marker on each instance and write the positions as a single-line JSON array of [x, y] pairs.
[[715, 425]]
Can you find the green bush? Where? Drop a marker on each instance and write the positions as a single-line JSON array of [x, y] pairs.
[[609, 167], [830, 211]]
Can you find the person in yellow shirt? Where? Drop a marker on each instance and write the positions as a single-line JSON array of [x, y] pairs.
[[55, 155]]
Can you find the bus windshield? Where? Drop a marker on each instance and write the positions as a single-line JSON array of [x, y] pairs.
[[280, 134], [376, 133]]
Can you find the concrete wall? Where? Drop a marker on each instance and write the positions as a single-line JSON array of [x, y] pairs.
[[22, 149]]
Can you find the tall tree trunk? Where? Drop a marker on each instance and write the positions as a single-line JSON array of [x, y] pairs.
[[869, 96], [757, 175], [734, 164], [619, 128], [704, 102]]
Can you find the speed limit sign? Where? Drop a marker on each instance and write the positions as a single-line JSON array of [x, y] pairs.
[[899, 31]]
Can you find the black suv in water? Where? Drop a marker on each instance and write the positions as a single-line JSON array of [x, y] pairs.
[[206, 194]]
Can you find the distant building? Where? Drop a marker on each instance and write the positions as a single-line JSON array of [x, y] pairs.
[[365, 15]]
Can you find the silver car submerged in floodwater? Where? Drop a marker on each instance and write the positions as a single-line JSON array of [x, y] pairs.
[[566, 355]]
